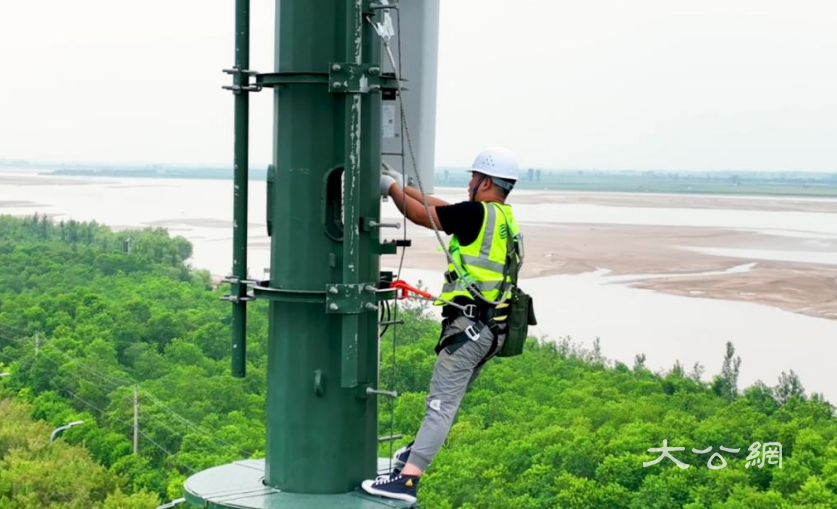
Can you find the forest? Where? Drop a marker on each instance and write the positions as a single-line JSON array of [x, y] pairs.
[[89, 317]]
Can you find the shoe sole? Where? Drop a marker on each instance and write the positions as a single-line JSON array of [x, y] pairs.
[[387, 494]]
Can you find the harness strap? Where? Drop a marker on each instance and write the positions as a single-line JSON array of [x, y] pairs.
[[454, 342], [491, 317]]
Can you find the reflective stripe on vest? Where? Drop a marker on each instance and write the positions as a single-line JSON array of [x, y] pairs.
[[482, 261]]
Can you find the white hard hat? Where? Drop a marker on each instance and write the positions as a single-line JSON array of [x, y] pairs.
[[497, 162]]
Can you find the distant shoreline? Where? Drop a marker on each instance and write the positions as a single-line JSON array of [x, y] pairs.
[[823, 185]]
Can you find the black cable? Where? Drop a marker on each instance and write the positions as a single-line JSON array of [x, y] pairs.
[[385, 316]]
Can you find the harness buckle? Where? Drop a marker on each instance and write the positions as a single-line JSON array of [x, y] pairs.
[[470, 311], [472, 333]]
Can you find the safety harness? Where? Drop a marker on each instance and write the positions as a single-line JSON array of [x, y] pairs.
[[482, 314]]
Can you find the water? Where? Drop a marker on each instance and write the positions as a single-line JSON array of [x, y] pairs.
[[818, 257], [627, 320], [760, 220], [668, 329]]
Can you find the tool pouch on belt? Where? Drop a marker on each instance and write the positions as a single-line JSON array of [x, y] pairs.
[[521, 316], [521, 307]]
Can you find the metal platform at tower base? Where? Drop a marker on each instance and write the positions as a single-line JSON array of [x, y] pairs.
[[239, 486]]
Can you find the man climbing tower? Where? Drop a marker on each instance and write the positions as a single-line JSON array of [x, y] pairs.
[[473, 329]]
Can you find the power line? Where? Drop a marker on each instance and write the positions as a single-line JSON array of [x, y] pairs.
[[31, 360], [182, 437], [105, 416], [7, 357], [106, 389], [195, 427], [112, 379], [115, 383], [12, 339], [168, 453], [68, 373], [18, 331], [103, 413], [25, 365]]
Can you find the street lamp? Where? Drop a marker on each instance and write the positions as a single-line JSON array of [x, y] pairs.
[[59, 429], [172, 503]]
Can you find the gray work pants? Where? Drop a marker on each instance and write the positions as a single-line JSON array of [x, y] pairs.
[[452, 375]]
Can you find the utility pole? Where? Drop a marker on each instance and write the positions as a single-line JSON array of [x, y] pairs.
[[136, 419], [37, 343]]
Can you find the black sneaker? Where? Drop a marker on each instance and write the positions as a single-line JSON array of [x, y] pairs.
[[395, 473], [401, 456], [399, 487]]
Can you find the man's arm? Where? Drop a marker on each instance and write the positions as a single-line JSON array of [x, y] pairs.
[[413, 208], [412, 192]]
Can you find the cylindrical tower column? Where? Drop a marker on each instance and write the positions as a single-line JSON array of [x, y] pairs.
[[323, 217], [321, 433]]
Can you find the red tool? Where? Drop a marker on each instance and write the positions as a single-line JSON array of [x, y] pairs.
[[407, 289]]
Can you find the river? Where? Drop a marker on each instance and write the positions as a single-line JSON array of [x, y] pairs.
[[627, 320]]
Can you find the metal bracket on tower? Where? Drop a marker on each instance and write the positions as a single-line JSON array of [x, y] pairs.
[[351, 299], [357, 78], [240, 289], [390, 247], [241, 81], [387, 248]]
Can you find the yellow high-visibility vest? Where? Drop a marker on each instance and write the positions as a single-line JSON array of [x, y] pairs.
[[484, 259]]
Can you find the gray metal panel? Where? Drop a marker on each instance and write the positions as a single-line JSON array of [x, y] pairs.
[[240, 485], [419, 67]]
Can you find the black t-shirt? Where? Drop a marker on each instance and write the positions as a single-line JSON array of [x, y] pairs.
[[462, 219]]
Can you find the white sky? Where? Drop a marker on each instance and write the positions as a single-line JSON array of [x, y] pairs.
[[641, 84]]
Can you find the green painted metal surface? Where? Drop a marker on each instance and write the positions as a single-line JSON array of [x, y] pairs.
[[323, 197], [322, 430], [240, 486], [241, 170]]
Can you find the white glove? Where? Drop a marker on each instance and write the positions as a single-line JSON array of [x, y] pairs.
[[386, 183], [389, 170]]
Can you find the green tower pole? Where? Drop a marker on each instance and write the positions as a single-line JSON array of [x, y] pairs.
[[322, 428], [241, 90], [324, 212]]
